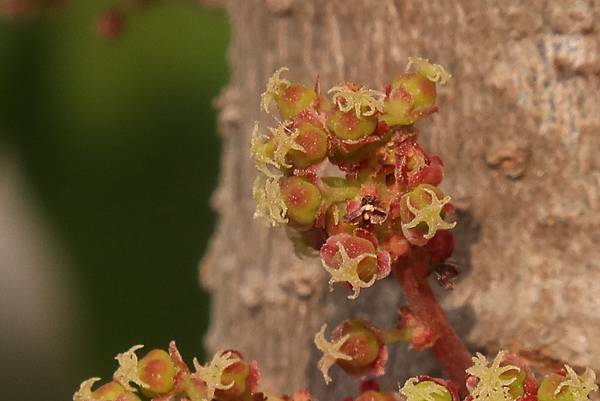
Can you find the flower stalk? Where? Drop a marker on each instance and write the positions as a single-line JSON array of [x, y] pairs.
[[448, 348]]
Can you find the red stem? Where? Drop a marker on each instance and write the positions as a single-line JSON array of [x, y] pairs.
[[449, 350]]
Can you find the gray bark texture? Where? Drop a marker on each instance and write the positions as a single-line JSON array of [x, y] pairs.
[[519, 132]]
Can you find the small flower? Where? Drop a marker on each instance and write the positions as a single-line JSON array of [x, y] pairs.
[[491, 386], [347, 272], [260, 154], [269, 202], [85, 390], [212, 373], [128, 369], [579, 386], [429, 214], [420, 335], [365, 102], [331, 352], [270, 152], [433, 72], [366, 348], [275, 86], [285, 140], [416, 390]]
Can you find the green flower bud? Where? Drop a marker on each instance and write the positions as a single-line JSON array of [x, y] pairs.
[[412, 97], [302, 199], [334, 220], [546, 391], [291, 98], [516, 387], [313, 140], [294, 99], [237, 374], [363, 346], [424, 390], [571, 387], [157, 371], [347, 126], [356, 346], [112, 391]]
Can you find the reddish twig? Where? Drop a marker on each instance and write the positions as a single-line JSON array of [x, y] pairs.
[[448, 348]]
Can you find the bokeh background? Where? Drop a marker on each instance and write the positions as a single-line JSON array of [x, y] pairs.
[[108, 158]]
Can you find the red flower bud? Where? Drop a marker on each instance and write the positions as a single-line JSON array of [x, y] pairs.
[[369, 385], [111, 24], [415, 167], [421, 335], [396, 245], [441, 246]]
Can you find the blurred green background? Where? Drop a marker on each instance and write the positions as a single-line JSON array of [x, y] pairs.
[[118, 143]]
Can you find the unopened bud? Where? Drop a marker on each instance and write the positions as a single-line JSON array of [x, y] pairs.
[[157, 371], [238, 374], [114, 393], [302, 199], [425, 388], [313, 141], [335, 222], [365, 346], [411, 97], [348, 127], [294, 99], [568, 386]]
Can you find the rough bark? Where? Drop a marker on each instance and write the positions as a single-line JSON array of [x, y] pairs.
[[519, 131]]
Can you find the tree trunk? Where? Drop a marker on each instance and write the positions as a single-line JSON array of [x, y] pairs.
[[519, 132]]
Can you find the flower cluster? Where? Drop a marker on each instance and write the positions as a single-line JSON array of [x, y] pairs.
[[381, 208], [384, 198], [506, 378], [163, 375], [345, 174]]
